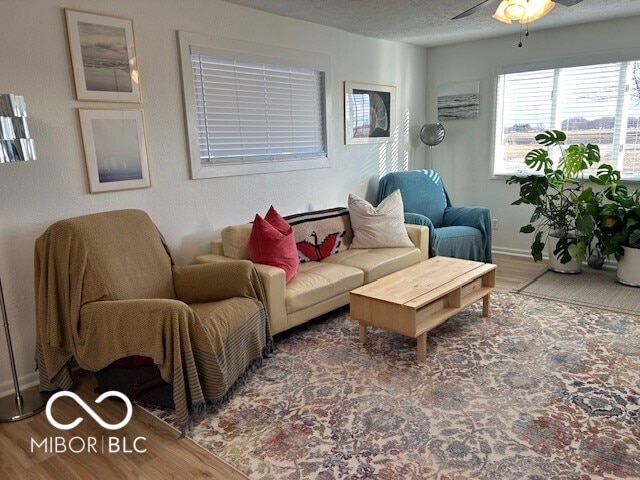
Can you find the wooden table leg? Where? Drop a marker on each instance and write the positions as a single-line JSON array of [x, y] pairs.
[[363, 333], [422, 347], [486, 305]]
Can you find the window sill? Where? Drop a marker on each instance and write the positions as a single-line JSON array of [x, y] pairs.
[[214, 171]]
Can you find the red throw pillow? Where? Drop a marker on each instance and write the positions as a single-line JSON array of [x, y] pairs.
[[272, 242], [277, 222]]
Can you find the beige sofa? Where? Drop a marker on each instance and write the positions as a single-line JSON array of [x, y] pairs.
[[319, 286]]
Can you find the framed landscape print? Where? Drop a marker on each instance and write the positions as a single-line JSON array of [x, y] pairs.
[[369, 113], [115, 149], [103, 55], [458, 100]]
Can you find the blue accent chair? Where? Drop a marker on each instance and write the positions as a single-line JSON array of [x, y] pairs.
[[460, 232]]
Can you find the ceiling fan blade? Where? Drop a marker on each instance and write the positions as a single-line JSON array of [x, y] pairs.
[[466, 13]]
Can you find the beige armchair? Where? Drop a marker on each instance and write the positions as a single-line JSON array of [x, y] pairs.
[[106, 289]]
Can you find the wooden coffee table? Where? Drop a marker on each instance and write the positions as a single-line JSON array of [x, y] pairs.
[[415, 300]]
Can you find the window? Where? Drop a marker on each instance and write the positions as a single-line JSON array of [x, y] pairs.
[[598, 103], [253, 108]]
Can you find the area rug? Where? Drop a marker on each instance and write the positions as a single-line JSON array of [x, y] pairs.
[[592, 288], [539, 390]]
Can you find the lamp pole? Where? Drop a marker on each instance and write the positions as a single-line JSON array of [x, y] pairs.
[[22, 405]]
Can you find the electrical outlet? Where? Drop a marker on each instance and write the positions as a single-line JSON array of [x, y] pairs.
[[494, 224]]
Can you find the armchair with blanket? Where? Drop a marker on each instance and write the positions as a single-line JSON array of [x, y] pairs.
[[106, 289], [460, 232]]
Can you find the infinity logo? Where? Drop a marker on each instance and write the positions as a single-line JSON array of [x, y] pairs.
[[89, 410]]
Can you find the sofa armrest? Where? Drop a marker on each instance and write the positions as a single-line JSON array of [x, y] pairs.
[[419, 235], [216, 247], [275, 290]]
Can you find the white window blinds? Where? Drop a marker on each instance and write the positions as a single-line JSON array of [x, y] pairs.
[[593, 104], [257, 112]]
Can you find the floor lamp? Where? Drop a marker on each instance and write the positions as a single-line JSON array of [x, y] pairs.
[[15, 146], [431, 135]]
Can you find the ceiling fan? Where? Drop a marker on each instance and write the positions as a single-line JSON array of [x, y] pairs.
[[472, 10]]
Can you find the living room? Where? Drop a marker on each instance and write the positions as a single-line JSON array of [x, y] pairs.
[[36, 63]]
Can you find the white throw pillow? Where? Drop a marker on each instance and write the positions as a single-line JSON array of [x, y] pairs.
[[378, 227]]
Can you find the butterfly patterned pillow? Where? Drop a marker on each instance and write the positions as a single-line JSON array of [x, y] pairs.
[[321, 233]]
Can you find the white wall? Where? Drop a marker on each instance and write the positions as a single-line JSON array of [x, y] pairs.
[[35, 62], [465, 156]]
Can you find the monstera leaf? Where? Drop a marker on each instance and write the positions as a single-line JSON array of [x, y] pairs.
[[549, 138]]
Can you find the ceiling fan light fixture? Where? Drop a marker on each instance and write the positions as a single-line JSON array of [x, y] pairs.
[[538, 9], [523, 11], [515, 11]]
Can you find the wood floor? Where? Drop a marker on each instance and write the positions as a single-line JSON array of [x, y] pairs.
[[167, 456]]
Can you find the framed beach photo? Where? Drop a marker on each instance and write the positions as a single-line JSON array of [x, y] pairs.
[[457, 101], [103, 56], [369, 113], [115, 149]]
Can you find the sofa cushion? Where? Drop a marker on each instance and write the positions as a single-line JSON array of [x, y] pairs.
[[321, 233], [378, 262], [378, 227], [272, 243], [235, 239], [319, 281]]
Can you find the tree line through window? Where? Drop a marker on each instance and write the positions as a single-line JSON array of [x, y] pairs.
[[597, 104]]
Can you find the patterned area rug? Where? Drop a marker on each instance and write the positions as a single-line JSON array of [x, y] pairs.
[[540, 390]]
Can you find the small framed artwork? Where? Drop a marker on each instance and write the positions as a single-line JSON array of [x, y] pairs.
[[369, 113], [458, 100], [103, 56], [115, 149]]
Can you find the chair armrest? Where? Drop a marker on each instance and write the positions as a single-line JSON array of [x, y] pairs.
[[476, 217], [273, 284], [419, 235], [214, 281], [275, 291], [419, 219], [214, 258]]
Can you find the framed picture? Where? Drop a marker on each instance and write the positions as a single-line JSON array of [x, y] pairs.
[[115, 149], [369, 113], [103, 55], [458, 100]]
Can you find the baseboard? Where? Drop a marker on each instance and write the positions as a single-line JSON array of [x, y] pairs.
[[609, 264], [26, 381], [516, 252]]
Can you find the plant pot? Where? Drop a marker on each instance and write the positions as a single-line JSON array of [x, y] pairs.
[[554, 263], [629, 267]]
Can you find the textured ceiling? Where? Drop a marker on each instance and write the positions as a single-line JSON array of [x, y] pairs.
[[428, 22]]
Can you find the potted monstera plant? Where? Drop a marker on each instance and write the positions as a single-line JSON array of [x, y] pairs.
[[619, 224], [565, 209]]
